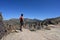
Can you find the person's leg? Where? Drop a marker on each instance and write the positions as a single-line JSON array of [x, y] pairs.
[[20, 27]]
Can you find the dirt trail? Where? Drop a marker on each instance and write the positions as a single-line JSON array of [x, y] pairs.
[[53, 34]]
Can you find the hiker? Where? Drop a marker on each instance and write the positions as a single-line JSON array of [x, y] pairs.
[[21, 22]]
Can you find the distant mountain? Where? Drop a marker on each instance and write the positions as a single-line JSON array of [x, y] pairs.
[[16, 21], [31, 20], [46, 21]]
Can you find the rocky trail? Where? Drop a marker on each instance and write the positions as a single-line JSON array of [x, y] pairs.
[[53, 34]]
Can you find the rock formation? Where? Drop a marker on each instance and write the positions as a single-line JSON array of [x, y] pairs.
[[2, 28]]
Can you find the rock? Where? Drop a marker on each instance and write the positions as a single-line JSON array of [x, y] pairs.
[[2, 28], [1, 18], [48, 28], [32, 28]]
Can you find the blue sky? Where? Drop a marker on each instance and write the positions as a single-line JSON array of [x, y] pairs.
[[39, 9]]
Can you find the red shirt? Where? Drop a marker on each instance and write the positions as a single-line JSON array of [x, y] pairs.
[[21, 19]]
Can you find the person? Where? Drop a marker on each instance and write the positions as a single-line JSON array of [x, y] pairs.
[[21, 22]]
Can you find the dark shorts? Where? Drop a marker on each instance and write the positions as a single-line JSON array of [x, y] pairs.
[[21, 23]]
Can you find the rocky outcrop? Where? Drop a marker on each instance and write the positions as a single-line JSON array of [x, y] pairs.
[[2, 28]]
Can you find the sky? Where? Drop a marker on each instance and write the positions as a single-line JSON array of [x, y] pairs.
[[33, 9]]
